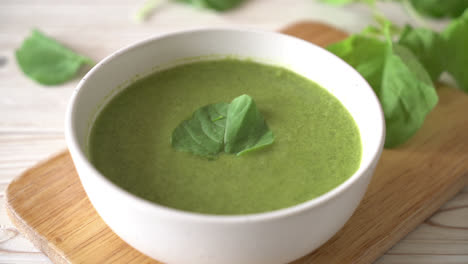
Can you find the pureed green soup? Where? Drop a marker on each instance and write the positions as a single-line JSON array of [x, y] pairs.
[[317, 143]]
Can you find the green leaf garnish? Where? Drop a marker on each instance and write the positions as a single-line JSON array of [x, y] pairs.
[[203, 133], [237, 128], [440, 8], [427, 46], [401, 83], [456, 51], [246, 129], [48, 62]]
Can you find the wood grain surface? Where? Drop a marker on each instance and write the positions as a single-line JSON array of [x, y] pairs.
[[48, 204]]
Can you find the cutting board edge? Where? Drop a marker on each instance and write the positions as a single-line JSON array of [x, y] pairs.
[[419, 218], [36, 238], [54, 254]]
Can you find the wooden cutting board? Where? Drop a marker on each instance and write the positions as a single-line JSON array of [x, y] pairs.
[[48, 204]]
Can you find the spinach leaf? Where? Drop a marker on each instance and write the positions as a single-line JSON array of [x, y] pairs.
[[148, 7], [218, 5], [47, 61], [203, 133], [427, 46], [246, 129], [440, 8], [456, 51], [151, 5], [407, 95], [237, 127], [366, 55], [401, 83]]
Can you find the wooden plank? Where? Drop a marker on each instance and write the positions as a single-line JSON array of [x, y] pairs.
[[48, 204]]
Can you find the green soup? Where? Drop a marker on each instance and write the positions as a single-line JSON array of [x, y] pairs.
[[317, 143]]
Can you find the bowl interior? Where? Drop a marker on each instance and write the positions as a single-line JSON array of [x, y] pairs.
[[119, 69]]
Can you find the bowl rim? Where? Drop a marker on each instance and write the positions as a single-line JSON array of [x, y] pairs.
[[77, 153]]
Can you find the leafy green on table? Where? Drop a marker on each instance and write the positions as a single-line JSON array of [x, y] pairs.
[[430, 8], [401, 83], [366, 55], [145, 11], [456, 50], [48, 62], [402, 73], [218, 5], [238, 128], [440, 8], [428, 46]]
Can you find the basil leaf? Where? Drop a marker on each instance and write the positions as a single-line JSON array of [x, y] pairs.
[[407, 95], [151, 5], [440, 8], [218, 5], [145, 11], [47, 61], [401, 83], [366, 55], [235, 128], [246, 129], [427, 45], [203, 133], [456, 51]]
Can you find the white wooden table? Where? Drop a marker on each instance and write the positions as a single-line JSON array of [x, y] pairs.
[[31, 116]]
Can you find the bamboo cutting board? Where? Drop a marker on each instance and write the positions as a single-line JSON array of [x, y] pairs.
[[48, 204]]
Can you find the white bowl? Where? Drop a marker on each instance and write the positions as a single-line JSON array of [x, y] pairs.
[[175, 236]]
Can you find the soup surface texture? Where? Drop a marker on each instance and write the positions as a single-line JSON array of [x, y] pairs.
[[317, 143]]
